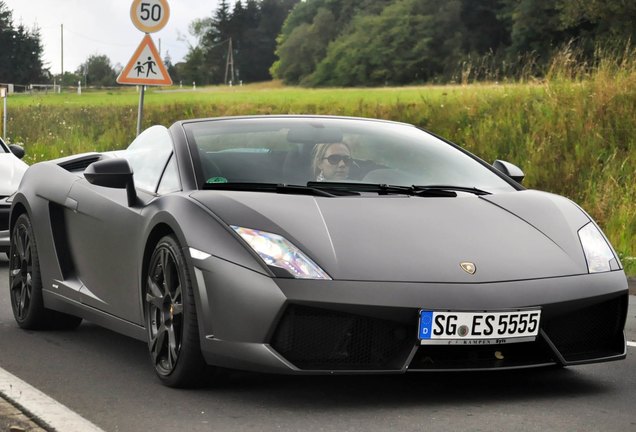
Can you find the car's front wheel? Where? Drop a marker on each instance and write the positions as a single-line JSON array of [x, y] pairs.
[[25, 283], [171, 318]]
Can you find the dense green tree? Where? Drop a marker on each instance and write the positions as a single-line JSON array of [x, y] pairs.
[[194, 69], [536, 27], [400, 45], [487, 28], [252, 26], [21, 52], [305, 47], [97, 71], [70, 79], [607, 19]]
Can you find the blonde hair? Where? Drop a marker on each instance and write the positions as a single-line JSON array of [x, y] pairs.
[[318, 153]]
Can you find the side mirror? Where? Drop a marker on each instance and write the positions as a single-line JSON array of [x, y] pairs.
[[113, 173], [511, 170], [17, 150]]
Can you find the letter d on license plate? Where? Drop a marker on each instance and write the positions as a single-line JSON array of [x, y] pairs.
[[468, 328]]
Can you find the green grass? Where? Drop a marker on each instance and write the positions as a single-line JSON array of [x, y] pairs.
[[573, 134]]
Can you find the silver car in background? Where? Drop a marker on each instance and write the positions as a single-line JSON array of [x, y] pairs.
[[12, 169]]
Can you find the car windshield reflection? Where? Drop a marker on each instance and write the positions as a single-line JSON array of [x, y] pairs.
[[297, 151]]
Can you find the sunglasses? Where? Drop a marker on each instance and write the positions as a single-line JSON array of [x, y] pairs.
[[336, 159]]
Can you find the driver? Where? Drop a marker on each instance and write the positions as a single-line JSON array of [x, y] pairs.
[[331, 161]]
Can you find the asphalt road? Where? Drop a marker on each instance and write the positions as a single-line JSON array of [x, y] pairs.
[[107, 379]]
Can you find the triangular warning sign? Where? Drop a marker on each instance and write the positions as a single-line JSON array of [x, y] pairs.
[[145, 66]]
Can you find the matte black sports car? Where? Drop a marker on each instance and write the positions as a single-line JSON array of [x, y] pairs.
[[313, 245]]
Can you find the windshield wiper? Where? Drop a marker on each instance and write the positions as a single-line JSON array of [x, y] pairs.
[[381, 189], [450, 188], [274, 187]]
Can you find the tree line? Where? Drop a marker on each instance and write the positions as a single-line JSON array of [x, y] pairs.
[[359, 42], [379, 42]]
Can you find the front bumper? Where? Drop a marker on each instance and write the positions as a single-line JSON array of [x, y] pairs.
[[250, 321]]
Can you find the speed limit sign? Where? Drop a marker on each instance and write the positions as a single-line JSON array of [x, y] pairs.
[[149, 16]]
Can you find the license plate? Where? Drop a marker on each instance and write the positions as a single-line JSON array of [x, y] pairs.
[[474, 328]]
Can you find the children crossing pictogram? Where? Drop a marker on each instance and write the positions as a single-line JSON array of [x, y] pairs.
[[145, 66]]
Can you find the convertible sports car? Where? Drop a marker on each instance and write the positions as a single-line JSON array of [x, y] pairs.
[[313, 245], [11, 171]]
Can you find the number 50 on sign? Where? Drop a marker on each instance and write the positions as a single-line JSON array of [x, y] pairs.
[[149, 16]]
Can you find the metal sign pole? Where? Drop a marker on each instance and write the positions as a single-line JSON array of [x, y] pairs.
[[140, 112]]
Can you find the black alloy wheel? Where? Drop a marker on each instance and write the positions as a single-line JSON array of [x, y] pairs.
[[26, 304], [25, 283], [171, 320]]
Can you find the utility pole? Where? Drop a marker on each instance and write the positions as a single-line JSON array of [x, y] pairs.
[[62, 56], [229, 63]]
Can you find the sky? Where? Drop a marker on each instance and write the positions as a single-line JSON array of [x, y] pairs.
[[103, 27]]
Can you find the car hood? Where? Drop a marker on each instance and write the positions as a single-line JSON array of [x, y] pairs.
[[508, 236], [11, 171]]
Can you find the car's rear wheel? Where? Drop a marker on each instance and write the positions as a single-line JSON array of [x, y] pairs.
[[25, 283], [171, 318]]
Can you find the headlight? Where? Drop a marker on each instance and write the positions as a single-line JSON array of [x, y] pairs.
[[597, 252], [278, 252]]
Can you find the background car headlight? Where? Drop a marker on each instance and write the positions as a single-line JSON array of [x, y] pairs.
[[278, 252], [597, 252]]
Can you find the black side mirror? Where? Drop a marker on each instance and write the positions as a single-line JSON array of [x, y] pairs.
[[17, 150], [113, 173], [511, 170]]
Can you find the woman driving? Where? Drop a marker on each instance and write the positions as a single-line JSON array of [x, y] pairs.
[[331, 161]]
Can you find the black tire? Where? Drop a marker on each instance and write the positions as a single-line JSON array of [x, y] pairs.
[[25, 283], [171, 318]]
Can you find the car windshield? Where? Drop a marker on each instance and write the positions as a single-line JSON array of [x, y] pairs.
[[308, 151]]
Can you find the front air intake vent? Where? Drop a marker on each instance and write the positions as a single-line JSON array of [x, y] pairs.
[[320, 339], [590, 332]]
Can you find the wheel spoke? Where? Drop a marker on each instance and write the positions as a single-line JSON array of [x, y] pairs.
[[27, 247], [19, 243], [23, 299], [154, 295], [17, 279], [172, 347], [167, 266], [157, 343]]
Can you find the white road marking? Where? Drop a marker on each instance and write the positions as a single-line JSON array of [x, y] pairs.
[[631, 344], [49, 411]]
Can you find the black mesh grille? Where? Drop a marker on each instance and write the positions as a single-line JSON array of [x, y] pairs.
[[321, 339], [590, 332], [449, 357]]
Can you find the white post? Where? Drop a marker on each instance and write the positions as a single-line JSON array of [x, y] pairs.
[[194, 85], [3, 93], [79, 87]]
